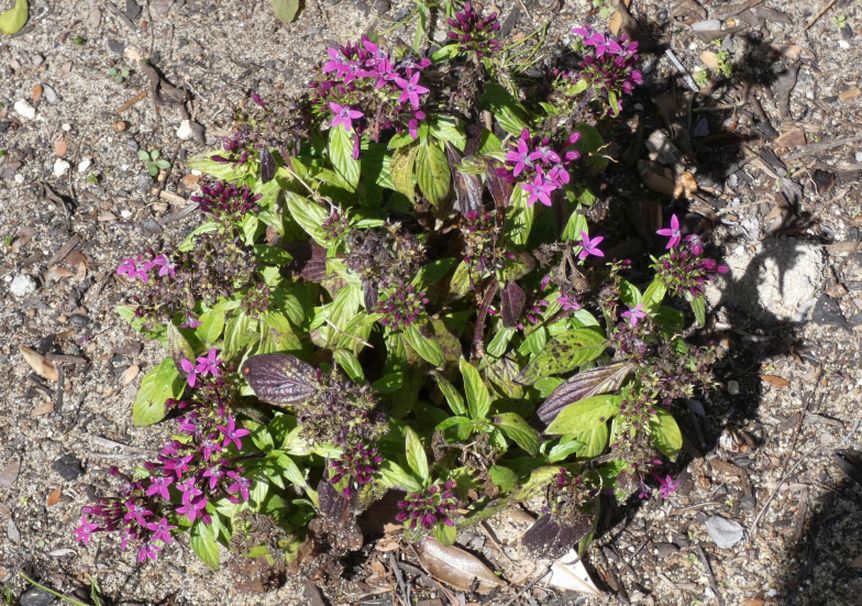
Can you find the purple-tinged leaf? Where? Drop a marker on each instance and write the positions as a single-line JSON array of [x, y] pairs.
[[369, 294], [267, 166], [501, 190], [552, 538], [309, 260], [333, 503], [468, 188], [583, 385], [512, 301], [280, 378]]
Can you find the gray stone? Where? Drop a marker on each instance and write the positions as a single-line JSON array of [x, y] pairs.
[[68, 467], [779, 281], [723, 532]]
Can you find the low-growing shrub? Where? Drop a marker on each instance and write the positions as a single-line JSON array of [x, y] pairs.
[[397, 287]]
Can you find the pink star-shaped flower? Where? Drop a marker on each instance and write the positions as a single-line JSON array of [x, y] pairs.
[[634, 314], [590, 247], [672, 232], [344, 115], [410, 90]]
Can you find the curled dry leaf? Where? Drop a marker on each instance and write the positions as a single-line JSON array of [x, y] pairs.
[[456, 567], [41, 365], [53, 497], [569, 574]]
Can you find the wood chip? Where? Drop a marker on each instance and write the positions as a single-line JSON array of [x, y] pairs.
[[41, 365], [709, 59], [130, 373], [850, 93], [791, 138], [53, 497], [36, 93], [60, 146], [775, 380]]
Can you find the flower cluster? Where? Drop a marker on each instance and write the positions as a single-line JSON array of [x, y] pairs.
[[226, 200], [684, 269], [357, 465], [201, 367], [367, 90], [540, 167], [192, 470], [341, 413], [607, 68], [474, 33], [141, 268], [401, 306], [483, 251], [427, 508]]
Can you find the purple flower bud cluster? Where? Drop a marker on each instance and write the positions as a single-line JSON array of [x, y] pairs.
[[357, 465], [607, 66], [685, 270], [483, 251], [256, 301], [191, 471], [425, 509], [141, 268], [539, 166], [401, 306], [226, 200], [336, 225], [474, 33], [368, 91]]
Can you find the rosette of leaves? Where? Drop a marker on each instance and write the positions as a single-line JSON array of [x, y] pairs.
[[409, 269]]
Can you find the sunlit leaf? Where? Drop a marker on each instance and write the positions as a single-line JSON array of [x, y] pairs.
[[12, 20], [285, 10], [162, 382], [584, 414], [280, 378], [586, 383], [564, 353]]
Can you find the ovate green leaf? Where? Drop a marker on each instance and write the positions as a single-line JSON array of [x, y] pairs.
[[519, 431], [285, 10], [585, 414], [341, 155], [12, 20], [665, 433], [416, 459], [478, 398], [162, 382], [564, 353], [432, 173]]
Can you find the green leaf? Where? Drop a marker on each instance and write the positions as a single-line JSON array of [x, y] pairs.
[[574, 226], [285, 10], [445, 534], [416, 459], [698, 306], [453, 397], [654, 294], [350, 363], [507, 111], [564, 353], [308, 215], [427, 348], [211, 327], [584, 414], [459, 285], [665, 433], [478, 398], [568, 445], [589, 144], [520, 216], [162, 382], [446, 129], [393, 475], [12, 20], [503, 477], [630, 294], [594, 440], [204, 544], [271, 255], [462, 425], [519, 431], [497, 346], [432, 173], [401, 171], [341, 155]]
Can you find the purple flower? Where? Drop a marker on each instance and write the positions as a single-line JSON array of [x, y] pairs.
[[344, 115], [129, 267], [423, 510], [208, 364], [667, 485], [159, 485], [411, 89], [240, 485], [590, 247], [190, 321], [214, 474], [520, 156], [232, 434], [568, 303], [188, 367], [539, 189], [147, 551], [194, 509], [166, 268], [545, 155], [161, 531], [85, 530], [634, 314], [671, 232], [136, 512]]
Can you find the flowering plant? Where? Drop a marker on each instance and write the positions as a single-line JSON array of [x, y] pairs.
[[396, 287]]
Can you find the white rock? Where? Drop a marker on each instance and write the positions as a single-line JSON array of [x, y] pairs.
[[777, 282], [24, 109], [19, 178], [724, 533], [50, 94], [22, 286], [733, 387], [844, 44], [197, 172], [126, 214], [66, 126], [858, 156], [61, 167], [185, 130], [84, 164]]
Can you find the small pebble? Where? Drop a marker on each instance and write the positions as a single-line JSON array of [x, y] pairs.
[[733, 388], [19, 178], [843, 44], [22, 286], [116, 46], [68, 467], [127, 214], [185, 130], [35, 597], [24, 109], [858, 156], [50, 94], [724, 533], [61, 167], [84, 164]]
